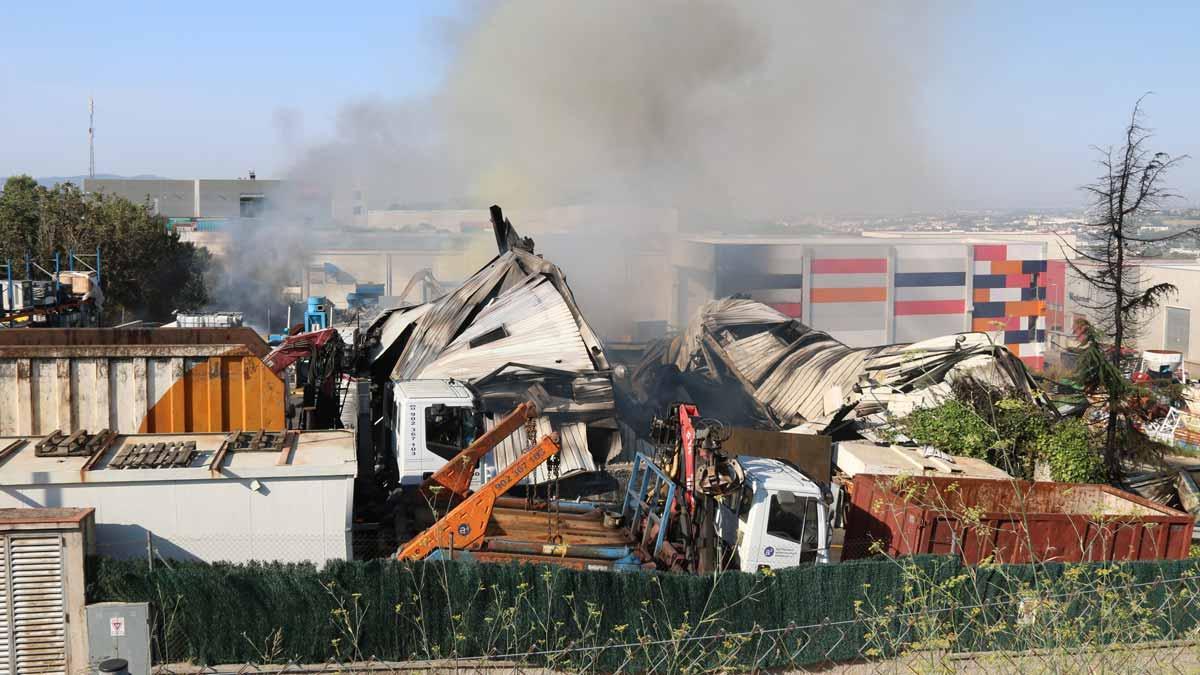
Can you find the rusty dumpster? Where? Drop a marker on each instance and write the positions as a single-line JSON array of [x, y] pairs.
[[1010, 521], [158, 380]]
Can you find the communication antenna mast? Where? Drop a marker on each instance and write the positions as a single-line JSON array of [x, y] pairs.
[[91, 138]]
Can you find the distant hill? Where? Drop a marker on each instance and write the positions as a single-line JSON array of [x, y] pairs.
[[51, 181]]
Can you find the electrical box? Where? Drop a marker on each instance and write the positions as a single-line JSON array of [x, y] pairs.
[[120, 630]]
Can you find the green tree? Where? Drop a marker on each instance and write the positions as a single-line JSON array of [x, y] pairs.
[[1130, 189], [147, 271]]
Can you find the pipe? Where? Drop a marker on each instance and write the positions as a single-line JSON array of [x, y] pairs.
[[560, 550]]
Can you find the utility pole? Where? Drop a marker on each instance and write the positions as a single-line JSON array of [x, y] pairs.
[[91, 137]]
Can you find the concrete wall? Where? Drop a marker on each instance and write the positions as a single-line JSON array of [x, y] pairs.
[[172, 198], [192, 198], [1153, 333]]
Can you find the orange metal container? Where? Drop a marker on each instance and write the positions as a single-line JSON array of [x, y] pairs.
[[163, 380], [1010, 521]]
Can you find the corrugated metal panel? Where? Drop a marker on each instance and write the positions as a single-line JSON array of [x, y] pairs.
[[6, 664], [39, 630], [574, 454], [538, 330], [153, 394]]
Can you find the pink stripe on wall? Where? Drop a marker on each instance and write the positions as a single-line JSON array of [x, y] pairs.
[[991, 252], [849, 266], [792, 309], [914, 307]]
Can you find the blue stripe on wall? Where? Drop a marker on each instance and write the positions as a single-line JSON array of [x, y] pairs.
[[1033, 293], [931, 279], [1016, 337], [988, 310], [1031, 266], [989, 281]]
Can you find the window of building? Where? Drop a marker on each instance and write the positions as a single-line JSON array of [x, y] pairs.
[[251, 206], [358, 210], [449, 430], [1178, 331], [794, 518]]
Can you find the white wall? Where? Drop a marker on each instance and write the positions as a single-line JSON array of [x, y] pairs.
[[304, 519]]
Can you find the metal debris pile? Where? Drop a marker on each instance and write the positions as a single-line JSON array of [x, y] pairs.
[[513, 332], [751, 365]]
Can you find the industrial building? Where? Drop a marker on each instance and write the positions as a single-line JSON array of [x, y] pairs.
[[1167, 327], [866, 292], [235, 497], [198, 198]]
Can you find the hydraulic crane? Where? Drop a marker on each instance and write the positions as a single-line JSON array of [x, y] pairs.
[[466, 524], [455, 476]]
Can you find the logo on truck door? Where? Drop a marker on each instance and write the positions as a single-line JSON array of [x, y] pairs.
[[769, 551]]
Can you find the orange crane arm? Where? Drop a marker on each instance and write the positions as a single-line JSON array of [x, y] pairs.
[[466, 523], [455, 475]]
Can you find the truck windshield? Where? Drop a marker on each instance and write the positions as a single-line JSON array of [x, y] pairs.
[[794, 518], [449, 430]]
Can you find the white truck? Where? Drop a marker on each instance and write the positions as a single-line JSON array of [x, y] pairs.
[[430, 422], [779, 518]]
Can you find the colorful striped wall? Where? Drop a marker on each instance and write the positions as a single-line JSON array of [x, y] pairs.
[[930, 291], [849, 294], [771, 274], [866, 295], [1010, 297]]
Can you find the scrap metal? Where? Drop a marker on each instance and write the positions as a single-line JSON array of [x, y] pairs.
[[751, 365], [514, 332]]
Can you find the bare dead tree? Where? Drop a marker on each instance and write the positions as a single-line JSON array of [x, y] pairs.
[[1131, 187]]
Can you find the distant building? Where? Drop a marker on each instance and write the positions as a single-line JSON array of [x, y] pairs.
[[1169, 326], [874, 291], [194, 198]]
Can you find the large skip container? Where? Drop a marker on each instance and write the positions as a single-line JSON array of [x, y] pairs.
[[161, 380], [1009, 521]]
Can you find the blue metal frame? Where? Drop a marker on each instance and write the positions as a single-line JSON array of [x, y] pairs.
[[652, 479]]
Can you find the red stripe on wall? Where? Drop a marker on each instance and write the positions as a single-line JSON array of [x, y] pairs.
[[849, 294], [915, 307], [1018, 280], [849, 266], [991, 251], [792, 309], [1034, 362]]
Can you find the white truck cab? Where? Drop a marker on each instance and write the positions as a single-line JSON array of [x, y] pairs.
[[780, 518], [430, 421]]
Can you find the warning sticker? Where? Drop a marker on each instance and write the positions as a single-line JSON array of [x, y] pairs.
[[116, 626]]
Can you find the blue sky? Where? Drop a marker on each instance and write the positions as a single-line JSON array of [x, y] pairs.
[[1014, 95], [187, 89]]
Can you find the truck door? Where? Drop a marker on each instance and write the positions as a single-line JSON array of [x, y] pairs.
[[790, 533]]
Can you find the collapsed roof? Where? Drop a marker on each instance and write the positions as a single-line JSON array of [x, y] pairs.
[[514, 332], [749, 364]]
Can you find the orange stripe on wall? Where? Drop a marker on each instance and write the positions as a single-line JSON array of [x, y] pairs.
[[982, 295], [1006, 267], [849, 294], [1025, 308]]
